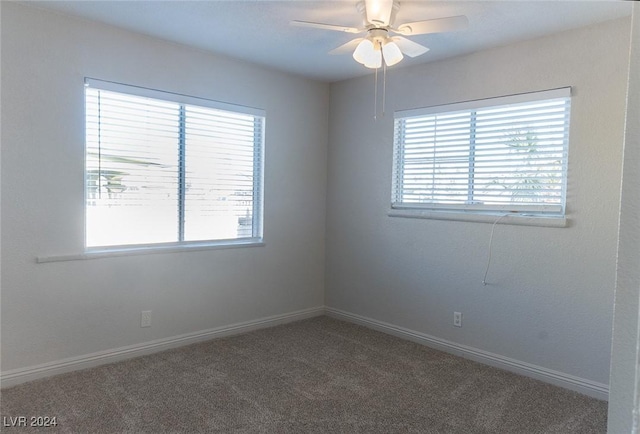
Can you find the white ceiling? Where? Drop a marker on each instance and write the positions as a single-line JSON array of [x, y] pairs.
[[259, 31]]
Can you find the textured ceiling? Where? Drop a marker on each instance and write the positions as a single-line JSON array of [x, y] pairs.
[[259, 31]]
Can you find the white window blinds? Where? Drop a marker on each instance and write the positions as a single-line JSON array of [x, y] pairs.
[[162, 170], [500, 155]]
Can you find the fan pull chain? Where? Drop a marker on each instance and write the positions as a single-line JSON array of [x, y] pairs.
[[375, 97], [384, 85], [384, 88]]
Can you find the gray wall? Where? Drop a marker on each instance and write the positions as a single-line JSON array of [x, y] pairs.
[[57, 310], [550, 297], [624, 361]]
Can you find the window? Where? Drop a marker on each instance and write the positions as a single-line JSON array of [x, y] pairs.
[[166, 169], [501, 155]]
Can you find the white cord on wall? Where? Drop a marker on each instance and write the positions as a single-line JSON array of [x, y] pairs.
[[493, 227]]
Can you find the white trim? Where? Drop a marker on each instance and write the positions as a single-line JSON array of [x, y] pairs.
[[22, 375], [581, 385], [149, 250], [512, 219], [529, 209], [163, 95], [562, 92]]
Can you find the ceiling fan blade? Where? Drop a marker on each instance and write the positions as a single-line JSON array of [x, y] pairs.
[[379, 12], [347, 48], [408, 47], [439, 25], [324, 26]]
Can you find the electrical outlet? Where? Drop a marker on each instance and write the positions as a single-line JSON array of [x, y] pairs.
[[457, 319], [145, 318]]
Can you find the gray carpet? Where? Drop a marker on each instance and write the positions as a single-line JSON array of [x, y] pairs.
[[314, 376]]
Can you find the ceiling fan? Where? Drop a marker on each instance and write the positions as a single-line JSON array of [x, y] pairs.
[[378, 23]]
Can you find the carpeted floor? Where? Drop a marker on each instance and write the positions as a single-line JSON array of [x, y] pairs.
[[315, 376]]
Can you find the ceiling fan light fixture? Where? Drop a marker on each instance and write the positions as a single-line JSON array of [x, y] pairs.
[[366, 54], [375, 62], [391, 53], [363, 50], [377, 48]]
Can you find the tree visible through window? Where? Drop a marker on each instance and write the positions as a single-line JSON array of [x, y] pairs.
[[506, 154], [159, 170]]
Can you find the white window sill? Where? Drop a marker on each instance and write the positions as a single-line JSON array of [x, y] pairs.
[[501, 218], [149, 250]]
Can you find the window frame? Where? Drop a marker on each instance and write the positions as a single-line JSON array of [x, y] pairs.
[[553, 215], [257, 238]]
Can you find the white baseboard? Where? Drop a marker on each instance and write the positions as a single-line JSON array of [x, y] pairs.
[[22, 375], [581, 385]]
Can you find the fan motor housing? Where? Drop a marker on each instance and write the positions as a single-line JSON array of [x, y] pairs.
[[378, 35], [362, 10]]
